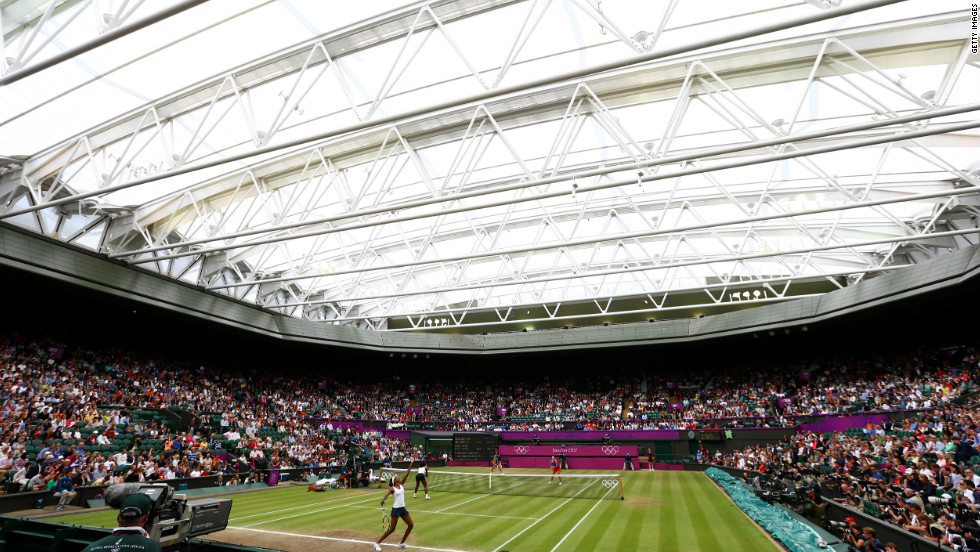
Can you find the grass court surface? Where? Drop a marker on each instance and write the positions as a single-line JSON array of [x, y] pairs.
[[664, 511]]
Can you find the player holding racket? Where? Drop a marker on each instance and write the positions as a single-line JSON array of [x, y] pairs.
[[422, 477], [555, 470], [397, 488], [496, 463]]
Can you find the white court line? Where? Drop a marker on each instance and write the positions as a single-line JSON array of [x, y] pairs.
[[452, 513], [542, 517], [295, 507], [416, 547], [482, 496], [598, 502], [316, 511]]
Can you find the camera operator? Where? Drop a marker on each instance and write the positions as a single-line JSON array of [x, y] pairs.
[[926, 487], [912, 498], [869, 542], [852, 535], [815, 509], [849, 496], [130, 535]]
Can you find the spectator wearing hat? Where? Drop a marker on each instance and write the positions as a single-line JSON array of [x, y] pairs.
[[130, 535]]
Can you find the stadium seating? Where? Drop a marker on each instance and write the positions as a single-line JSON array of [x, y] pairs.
[[268, 421]]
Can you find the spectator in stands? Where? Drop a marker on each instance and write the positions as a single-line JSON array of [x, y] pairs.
[[64, 489]]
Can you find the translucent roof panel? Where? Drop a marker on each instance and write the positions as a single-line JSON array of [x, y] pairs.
[[381, 163]]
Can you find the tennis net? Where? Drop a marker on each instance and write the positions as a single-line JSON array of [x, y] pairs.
[[588, 486]]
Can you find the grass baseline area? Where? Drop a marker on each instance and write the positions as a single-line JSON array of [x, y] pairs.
[[663, 510]]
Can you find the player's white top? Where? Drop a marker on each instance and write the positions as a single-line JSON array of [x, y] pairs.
[[399, 494], [422, 470]]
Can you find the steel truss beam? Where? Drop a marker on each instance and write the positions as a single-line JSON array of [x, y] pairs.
[[265, 201], [619, 271], [759, 280], [472, 99], [23, 70], [531, 184], [941, 129]]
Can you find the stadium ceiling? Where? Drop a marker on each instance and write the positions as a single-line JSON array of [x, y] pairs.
[[443, 165]]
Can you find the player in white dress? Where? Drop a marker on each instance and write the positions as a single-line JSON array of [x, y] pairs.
[[398, 510]]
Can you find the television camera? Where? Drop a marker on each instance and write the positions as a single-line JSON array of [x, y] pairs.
[[173, 518], [772, 489]]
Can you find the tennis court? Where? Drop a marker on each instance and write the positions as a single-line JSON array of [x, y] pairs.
[[661, 511]]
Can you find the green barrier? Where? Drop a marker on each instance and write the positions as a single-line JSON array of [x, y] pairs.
[[796, 536]]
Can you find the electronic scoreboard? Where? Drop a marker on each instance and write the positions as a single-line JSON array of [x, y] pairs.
[[474, 447]]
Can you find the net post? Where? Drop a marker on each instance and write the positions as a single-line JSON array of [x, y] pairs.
[[490, 481], [620, 476]]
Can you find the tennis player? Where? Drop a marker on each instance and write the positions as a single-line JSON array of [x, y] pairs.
[[422, 477], [555, 470], [397, 488], [496, 463]]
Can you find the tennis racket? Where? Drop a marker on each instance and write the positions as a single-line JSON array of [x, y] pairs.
[[385, 519]]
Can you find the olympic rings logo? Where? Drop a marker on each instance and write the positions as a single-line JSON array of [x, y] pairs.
[[610, 483], [610, 450], [521, 450]]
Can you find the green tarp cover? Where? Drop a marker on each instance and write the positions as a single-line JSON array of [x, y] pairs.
[[796, 536]]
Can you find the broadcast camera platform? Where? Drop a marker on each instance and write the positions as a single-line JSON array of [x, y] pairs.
[[175, 522]]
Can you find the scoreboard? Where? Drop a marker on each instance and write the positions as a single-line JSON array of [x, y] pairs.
[[711, 436], [474, 447]]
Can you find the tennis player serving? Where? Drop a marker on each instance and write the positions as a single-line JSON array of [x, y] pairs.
[[397, 488]]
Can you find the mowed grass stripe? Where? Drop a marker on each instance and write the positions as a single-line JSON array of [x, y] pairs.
[[602, 526], [629, 527], [671, 490], [489, 533], [283, 504], [551, 529], [663, 511], [699, 525], [730, 517]]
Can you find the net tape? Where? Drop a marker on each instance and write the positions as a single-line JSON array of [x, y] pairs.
[[586, 486]]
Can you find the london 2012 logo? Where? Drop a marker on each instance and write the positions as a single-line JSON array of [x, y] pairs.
[[610, 450], [520, 450]]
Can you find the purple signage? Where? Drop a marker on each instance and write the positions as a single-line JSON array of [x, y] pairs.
[[589, 463], [615, 434], [843, 422], [574, 450]]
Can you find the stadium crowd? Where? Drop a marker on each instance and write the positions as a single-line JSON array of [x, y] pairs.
[[260, 399], [921, 472], [245, 418]]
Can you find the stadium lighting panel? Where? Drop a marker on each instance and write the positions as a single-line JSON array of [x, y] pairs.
[[443, 166]]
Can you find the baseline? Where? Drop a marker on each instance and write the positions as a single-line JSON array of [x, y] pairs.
[[344, 540]]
